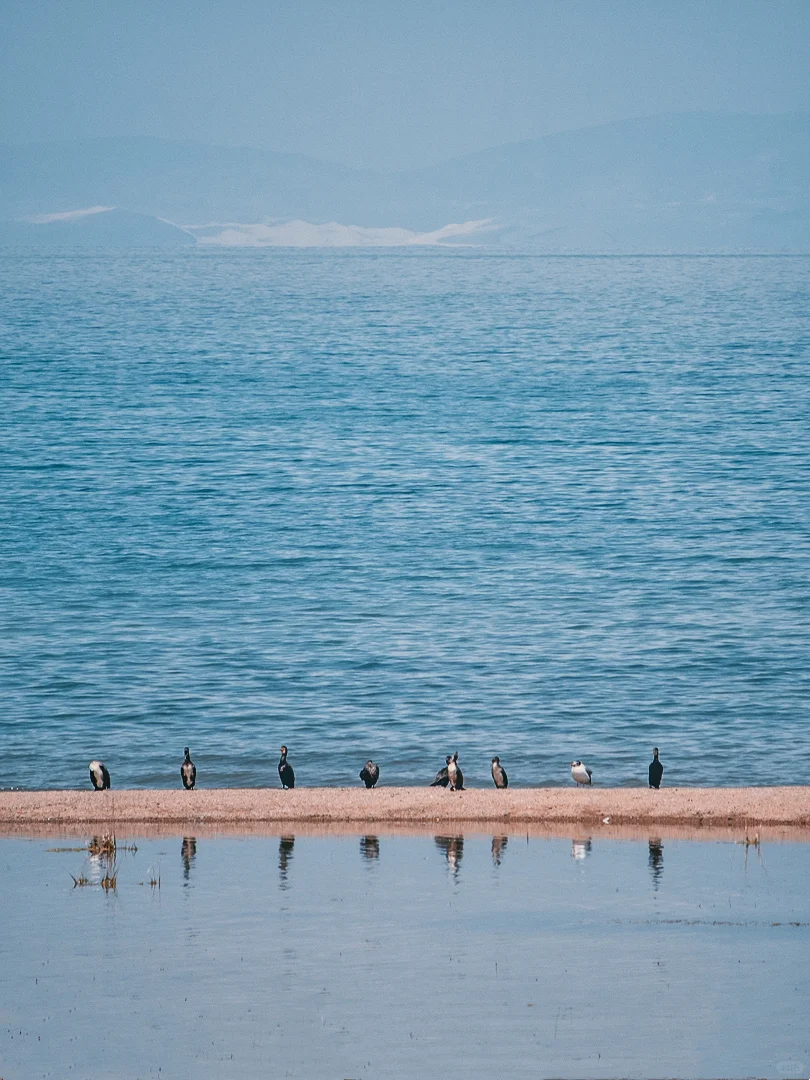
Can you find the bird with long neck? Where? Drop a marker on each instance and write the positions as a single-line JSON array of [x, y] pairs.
[[499, 774], [285, 770], [455, 776], [188, 771], [656, 770]]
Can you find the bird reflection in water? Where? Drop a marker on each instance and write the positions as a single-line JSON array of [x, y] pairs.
[[453, 848], [188, 853], [370, 847], [498, 848], [581, 848], [656, 861], [285, 854]]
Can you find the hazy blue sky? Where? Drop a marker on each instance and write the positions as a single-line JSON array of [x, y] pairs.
[[388, 84]]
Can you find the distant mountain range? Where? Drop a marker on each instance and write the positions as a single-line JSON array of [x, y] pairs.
[[105, 228], [688, 183]]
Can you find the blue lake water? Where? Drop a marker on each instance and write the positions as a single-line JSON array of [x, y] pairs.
[[397, 504], [404, 957]]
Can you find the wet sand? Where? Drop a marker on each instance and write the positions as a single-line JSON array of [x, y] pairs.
[[693, 808]]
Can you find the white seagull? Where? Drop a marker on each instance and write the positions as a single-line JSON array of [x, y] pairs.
[[581, 773]]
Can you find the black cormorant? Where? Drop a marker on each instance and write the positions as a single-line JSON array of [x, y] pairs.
[[442, 779], [454, 774], [499, 773], [285, 770], [99, 775], [656, 770], [188, 771], [370, 774]]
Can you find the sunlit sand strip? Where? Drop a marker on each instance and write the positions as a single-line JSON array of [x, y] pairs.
[[356, 809]]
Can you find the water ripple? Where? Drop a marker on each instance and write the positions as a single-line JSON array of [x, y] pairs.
[[395, 505]]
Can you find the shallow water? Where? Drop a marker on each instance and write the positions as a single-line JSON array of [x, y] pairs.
[[404, 957], [399, 504]]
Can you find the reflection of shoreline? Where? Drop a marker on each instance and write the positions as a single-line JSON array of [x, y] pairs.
[[153, 830], [350, 809]]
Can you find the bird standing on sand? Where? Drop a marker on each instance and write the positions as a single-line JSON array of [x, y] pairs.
[[99, 775], [455, 777], [370, 774], [285, 770], [188, 771], [499, 773], [656, 770], [581, 773], [442, 779]]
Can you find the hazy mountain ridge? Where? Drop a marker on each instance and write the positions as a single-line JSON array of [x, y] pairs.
[[108, 228], [180, 181], [692, 182], [664, 183]]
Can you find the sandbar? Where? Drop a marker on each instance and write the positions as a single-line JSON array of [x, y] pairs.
[[358, 808]]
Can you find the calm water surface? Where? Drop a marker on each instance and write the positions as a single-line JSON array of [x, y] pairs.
[[399, 504], [405, 957]]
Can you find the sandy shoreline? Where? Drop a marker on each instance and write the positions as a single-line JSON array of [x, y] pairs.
[[779, 808]]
